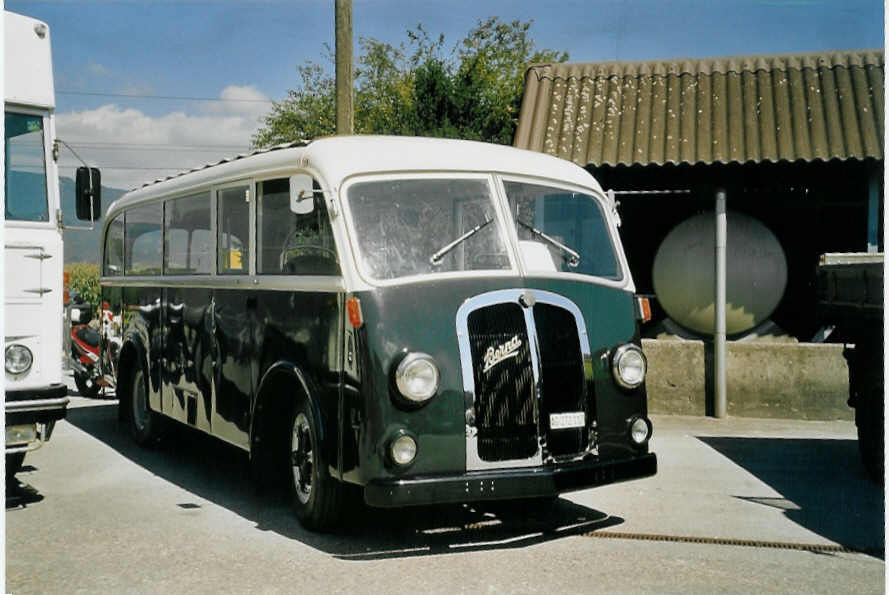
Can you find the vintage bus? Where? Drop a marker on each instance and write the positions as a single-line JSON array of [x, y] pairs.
[[36, 396], [432, 320]]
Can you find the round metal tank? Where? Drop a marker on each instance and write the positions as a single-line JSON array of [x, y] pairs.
[[684, 273]]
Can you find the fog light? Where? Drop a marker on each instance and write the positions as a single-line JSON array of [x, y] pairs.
[[21, 434], [417, 377], [404, 450], [18, 359], [640, 431], [629, 366]]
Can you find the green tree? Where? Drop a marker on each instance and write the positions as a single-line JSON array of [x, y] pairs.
[[472, 90], [83, 279]]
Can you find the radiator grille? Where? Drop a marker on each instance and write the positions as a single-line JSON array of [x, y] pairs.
[[512, 411], [562, 377], [505, 402]]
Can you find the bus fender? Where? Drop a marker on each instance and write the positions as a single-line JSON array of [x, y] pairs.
[[294, 374]]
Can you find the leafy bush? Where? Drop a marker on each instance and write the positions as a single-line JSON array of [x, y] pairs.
[[83, 279]]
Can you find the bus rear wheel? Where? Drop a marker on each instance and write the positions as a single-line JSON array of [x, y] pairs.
[[144, 423], [316, 496]]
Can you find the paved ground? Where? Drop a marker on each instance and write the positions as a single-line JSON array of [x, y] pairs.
[[96, 514]]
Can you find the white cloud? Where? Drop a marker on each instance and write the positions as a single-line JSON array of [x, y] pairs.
[[113, 138], [96, 69]]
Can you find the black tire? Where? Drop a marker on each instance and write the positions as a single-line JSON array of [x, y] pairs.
[[144, 423], [85, 386], [316, 496], [14, 463]]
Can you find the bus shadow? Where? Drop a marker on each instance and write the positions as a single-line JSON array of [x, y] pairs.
[[822, 485], [219, 473]]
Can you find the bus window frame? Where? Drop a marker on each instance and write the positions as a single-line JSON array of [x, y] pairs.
[[250, 184]]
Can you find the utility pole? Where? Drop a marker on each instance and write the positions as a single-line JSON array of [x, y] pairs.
[[343, 48]]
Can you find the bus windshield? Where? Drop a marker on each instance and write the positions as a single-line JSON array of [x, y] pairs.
[[426, 226], [562, 231], [25, 182]]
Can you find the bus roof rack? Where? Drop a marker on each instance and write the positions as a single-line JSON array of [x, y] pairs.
[[290, 145]]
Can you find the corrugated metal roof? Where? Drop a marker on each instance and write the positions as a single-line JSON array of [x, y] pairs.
[[734, 109]]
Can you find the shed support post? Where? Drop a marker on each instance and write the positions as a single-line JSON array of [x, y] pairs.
[[719, 382]]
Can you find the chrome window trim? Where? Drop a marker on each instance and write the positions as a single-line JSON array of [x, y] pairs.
[[307, 283], [500, 296]]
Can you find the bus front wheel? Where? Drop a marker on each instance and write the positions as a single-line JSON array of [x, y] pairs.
[[316, 496]]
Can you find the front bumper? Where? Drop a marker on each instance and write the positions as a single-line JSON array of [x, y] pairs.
[[507, 483], [38, 409]]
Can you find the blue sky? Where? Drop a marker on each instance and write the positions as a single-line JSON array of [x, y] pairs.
[[250, 50]]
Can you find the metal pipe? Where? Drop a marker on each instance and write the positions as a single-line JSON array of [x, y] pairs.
[[719, 383]]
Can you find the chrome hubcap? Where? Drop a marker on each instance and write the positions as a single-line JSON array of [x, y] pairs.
[[301, 458]]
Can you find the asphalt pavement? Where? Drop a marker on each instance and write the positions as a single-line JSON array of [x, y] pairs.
[[737, 506]]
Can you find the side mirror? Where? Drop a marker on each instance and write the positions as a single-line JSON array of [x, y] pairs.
[[302, 194], [88, 193]]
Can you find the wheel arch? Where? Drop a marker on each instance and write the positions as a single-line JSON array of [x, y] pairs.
[[283, 377]]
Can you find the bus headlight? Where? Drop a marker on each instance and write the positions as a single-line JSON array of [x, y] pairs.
[[629, 366], [416, 377], [18, 359]]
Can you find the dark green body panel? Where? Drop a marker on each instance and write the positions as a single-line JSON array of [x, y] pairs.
[[423, 317], [208, 350]]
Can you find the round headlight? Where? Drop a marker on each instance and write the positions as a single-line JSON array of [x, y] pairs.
[[18, 359], [404, 450], [629, 366], [640, 431], [417, 377]]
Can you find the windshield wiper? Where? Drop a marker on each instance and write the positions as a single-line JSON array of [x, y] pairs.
[[435, 259], [571, 256]]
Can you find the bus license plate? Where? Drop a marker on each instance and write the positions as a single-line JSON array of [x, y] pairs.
[[566, 421]]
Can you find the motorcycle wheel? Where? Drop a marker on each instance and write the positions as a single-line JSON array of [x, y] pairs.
[[85, 386]]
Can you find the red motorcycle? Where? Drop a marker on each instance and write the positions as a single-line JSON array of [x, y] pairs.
[[85, 343]]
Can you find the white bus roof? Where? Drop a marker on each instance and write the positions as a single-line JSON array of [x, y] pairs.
[[340, 157], [27, 62]]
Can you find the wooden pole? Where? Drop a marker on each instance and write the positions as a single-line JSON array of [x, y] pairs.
[[343, 48]]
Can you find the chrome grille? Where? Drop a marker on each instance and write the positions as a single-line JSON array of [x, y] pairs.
[[524, 356], [504, 408]]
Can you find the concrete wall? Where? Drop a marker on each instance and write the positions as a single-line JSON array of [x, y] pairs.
[[778, 380]]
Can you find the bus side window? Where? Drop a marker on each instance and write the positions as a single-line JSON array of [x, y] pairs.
[[114, 248], [144, 240], [188, 236], [291, 244], [233, 231]]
